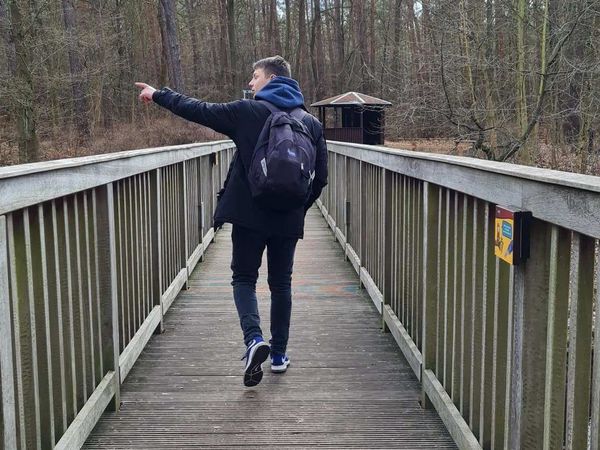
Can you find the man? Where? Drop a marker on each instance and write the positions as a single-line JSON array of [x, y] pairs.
[[255, 227]]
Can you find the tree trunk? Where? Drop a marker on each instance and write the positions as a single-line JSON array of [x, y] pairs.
[[233, 60], [274, 28], [76, 69], [288, 30], [397, 29], [168, 19], [302, 63], [338, 28], [23, 95], [191, 23], [521, 92], [316, 49], [9, 44], [372, 36]]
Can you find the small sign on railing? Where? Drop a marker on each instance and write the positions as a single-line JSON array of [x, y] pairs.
[[511, 235]]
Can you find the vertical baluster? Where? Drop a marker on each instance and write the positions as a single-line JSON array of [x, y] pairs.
[[556, 342], [70, 314], [79, 319], [419, 267], [58, 239], [430, 276], [475, 362], [502, 299], [136, 247], [454, 243], [465, 308], [120, 250], [128, 261], [98, 312], [148, 230], [47, 388], [108, 286], [185, 238], [404, 252], [441, 280], [388, 198], [595, 419], [413, 260], [140, 248], [487, 331], [579, 339], [157, 243], [88, 265], [447, 294], [9, 412]]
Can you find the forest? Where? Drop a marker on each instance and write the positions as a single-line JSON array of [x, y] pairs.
[[505, 80]]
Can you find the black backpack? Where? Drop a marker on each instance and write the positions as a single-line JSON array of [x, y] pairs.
[[283, 163]]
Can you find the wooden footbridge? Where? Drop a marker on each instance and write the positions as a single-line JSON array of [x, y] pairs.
[[118, 328]]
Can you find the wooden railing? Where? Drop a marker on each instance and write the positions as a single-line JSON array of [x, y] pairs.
[[504, 353], [93, 252]]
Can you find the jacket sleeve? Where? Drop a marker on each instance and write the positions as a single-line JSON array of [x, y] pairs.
[[320, 180], [221, 117]]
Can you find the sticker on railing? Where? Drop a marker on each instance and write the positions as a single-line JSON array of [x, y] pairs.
[[511, 234]]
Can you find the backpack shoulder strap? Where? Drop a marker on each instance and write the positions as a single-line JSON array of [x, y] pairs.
[[270, 106], [298, 113]]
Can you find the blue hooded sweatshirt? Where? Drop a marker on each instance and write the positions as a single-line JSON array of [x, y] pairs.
[[283, 92]]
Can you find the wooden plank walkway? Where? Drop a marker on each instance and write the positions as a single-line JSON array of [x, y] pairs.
[[348, 384]]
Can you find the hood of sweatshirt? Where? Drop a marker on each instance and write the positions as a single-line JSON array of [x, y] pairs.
[[283, 92]]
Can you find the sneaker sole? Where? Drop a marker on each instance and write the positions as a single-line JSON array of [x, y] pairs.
[[253, 373], [280, 369]]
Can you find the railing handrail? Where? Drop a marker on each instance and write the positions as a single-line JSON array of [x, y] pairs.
[[569, 179], [29, 184], [67, 163], [566, 199]]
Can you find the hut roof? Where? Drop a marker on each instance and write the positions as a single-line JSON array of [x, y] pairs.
[[352, 98]]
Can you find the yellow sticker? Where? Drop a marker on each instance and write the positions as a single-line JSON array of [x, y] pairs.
[[504, 238]]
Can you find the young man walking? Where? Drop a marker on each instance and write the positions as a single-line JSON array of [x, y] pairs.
[[256, 227]]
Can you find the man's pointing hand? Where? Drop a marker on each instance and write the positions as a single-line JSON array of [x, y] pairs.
[[147, 91]]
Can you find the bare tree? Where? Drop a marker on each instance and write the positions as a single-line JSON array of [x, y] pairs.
[[23, 88], [168, 22], [76, 69]]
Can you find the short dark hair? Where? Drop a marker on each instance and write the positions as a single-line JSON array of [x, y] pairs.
[[274, 65]]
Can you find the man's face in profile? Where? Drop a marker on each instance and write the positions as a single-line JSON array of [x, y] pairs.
[[259, 80]]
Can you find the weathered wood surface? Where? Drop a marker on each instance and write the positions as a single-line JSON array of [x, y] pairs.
[[348, 385]]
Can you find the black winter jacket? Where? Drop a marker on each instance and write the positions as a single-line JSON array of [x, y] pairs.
[[242, 121]]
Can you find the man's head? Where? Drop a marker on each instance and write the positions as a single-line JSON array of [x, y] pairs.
[[266, 69]]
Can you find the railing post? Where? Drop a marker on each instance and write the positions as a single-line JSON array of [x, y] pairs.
[[362, 217], [108, 287], [184, 223], [431, 216], [527, 360], [387, 215], [157, 247], [201, 223], [6, 344]]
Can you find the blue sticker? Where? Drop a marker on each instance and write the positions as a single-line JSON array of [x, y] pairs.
[[506, 229]]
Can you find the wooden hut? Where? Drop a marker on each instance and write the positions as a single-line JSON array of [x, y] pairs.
[[353, 117]]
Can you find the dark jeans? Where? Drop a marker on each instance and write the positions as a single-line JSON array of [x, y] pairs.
[[248, 248]]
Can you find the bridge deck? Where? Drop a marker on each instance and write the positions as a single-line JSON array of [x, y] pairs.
[[348, 385]]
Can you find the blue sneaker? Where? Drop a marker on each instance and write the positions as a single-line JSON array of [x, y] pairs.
[[256, 353], [279, 363]]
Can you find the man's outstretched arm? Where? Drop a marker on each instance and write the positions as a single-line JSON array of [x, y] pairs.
[[221, 117]]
